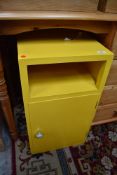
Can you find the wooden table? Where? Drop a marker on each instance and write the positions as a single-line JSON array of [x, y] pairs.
[[16, 22]]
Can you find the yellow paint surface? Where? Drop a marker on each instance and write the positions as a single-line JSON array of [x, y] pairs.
[[62, 82]]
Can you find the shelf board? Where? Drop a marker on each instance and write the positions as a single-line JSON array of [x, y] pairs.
[[57, 15], [46, 49], [49, 80]]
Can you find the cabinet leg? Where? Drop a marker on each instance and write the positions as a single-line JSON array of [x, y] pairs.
[[6, 107], [1, 139], [5, 103], [1, 145], [108, 40]]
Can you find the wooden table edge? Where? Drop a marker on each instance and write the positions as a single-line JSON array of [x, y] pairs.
[[57, 15]]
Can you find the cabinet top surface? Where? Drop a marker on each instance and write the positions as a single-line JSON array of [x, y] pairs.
[[30, 49]]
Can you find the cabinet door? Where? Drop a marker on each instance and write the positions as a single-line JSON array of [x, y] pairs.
[[61, 122]]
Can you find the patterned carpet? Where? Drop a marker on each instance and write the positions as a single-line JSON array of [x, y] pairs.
[[98, 156]]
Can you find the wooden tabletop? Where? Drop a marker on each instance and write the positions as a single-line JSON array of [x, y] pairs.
[[56, 15]]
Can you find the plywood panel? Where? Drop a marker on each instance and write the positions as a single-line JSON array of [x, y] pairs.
[[46, 5], [114, 45], [111, 6], [109, 95], [106, 112], [112, 78]]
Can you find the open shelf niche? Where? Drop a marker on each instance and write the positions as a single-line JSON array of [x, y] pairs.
[[63, 78]]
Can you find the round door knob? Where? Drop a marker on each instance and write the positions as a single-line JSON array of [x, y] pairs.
[[39, 135]]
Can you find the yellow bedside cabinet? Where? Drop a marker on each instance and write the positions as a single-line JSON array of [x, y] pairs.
[[62, 82]]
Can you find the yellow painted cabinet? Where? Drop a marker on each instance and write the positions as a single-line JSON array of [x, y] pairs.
[[61, 122], [62, 82]]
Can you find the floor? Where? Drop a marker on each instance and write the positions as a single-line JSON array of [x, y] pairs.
[[98, 156], [6, 155]]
